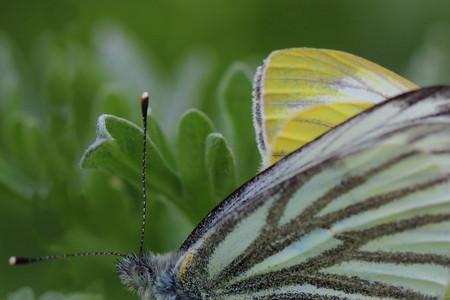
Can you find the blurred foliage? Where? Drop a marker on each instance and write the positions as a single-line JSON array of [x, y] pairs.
[[63, 63], [53, 206], [28, 294]]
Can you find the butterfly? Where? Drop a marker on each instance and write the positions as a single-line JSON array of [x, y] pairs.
[[360, 210]]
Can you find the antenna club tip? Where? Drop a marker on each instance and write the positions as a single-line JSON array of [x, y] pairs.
[[145, 95], [12, 261], [144, 103]]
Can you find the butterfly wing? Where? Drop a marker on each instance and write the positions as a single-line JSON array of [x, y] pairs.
[[363, 212], [301, 93]]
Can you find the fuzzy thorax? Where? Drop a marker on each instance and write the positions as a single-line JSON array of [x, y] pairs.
[[152, 277]]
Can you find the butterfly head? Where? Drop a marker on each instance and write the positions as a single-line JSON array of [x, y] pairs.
[[150, 276], [136, 272]]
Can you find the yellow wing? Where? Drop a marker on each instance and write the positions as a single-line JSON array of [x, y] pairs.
[[301, 93]]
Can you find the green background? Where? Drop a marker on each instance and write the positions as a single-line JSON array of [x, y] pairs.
[[63, 63]]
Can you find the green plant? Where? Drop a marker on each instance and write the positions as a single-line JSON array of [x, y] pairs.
[[49, 107]]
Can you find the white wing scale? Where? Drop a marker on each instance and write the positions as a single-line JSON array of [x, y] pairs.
[[362, 212]]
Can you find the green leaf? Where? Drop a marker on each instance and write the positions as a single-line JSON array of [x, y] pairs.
[[193, 130], [235, 93], [220, 165], [113, 101], [167, 228], [158, 137], [118, 150]]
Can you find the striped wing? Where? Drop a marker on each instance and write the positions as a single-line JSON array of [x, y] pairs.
[[301, 93], [363, 212]]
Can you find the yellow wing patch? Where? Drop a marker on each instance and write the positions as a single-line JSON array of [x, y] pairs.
[[184, 264], [311, 123], [301, 93]]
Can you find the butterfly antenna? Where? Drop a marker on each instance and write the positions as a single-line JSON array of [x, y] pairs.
[[17, 260], [144, 111]]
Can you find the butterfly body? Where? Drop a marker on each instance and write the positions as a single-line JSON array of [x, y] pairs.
[[152, 277]]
